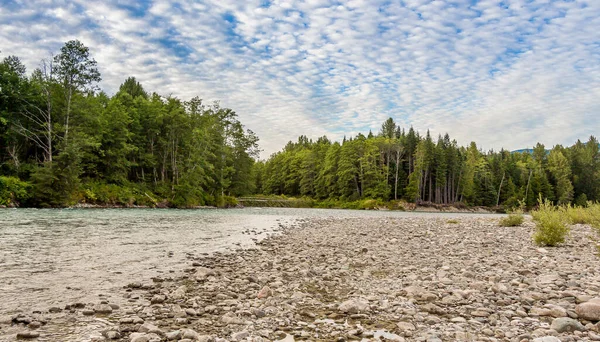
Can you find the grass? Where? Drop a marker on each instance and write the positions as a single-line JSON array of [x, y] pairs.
[[551, 226], [514, 219], [452, 221]]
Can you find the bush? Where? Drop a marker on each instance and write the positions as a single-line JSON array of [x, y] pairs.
[[226, 202], [577, 214], [14, 191], [514, 219], [551, 226]]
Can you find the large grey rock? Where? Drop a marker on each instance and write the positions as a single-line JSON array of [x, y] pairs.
[[150, 329], [355, 305], [103, 309], [565, 324]]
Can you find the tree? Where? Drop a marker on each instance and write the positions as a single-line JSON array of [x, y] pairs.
[[561, 171], [75, 71]]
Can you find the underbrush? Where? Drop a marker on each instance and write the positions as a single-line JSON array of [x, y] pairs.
[[129, 195], [551, 226], [14, 191], [514, 219]]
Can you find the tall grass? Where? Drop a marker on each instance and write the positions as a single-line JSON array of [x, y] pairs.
[[551, 226]]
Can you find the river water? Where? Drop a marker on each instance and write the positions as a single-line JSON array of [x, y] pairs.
[[53, 257]]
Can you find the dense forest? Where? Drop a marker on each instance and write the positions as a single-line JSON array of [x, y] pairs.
[[62, 141], [396, 164]]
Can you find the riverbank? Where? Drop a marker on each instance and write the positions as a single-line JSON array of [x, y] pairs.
[[412, 279]]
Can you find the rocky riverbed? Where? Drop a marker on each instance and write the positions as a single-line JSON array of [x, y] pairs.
[[399, 279]]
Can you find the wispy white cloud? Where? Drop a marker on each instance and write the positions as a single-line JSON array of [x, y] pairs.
[[502, 73]]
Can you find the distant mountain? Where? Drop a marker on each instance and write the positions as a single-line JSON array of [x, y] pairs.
[[526, 150], [530, 150]]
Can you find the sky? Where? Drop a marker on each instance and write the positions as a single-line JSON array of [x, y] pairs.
[[505, 74]]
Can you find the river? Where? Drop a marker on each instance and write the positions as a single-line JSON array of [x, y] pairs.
[[52, 257]]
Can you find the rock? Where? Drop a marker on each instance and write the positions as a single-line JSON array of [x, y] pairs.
[[88, 312], [158, 299], [173, 335], [565, 324], [190, 334], [179, 293], [239, 336], [546, 339], [28, 335], [150, 329], [405, 327], [103, 309], [356, 305], [54, 309], [111, 334], [138, 337], [202, 273], [265, 292], [231, 318], [589, 311], [34, 325]]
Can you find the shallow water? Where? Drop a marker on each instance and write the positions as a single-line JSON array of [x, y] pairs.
[[52, 257]]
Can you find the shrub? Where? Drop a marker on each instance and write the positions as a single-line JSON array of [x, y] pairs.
[[551, 226], [577, 214], [514, 219], [14, 191], [227, 202], [593, 214]]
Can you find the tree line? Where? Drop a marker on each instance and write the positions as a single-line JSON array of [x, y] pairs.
[[396, 164], [63, 141]]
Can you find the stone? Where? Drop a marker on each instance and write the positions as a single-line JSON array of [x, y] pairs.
[[28, 335], [546, 339], [111, 334], [565, 324], [202, 273], [34, 325], [157, 299], [265, 292], [103, 309], [173, 335], [179, 293], [150, 329], [355, 305], [138, 337], [189, 333], [405, 327], [239, 336], [588, 310]]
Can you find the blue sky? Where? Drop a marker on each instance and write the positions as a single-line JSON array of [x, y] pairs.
[[505, 74]]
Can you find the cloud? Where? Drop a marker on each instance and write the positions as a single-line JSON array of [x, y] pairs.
[[505, 74]]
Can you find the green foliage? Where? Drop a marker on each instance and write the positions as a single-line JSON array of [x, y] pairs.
[[74, 144], [58, 133], [514, 219], [13, 191], [551, 224]]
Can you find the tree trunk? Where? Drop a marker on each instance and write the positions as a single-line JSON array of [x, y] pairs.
[[499, 189]]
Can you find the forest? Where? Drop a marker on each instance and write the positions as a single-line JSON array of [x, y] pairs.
[[396, 164], [64, 142]]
